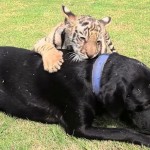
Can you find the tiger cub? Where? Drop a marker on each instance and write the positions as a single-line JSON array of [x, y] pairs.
[[86, 35]]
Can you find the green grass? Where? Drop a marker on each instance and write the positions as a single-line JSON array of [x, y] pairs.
[[23, 22]]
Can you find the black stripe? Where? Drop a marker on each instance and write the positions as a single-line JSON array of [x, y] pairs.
[[63, 38], [110, 43], [81, 32], [74, 34], [78, 38], [85, 23]]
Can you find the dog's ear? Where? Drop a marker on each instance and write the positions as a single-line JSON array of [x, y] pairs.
[[112, 95]]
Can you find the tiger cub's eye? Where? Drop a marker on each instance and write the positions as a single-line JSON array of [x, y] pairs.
[[82, 38], [98, 42]]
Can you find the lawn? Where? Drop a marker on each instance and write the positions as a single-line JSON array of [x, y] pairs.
[[23, 22]]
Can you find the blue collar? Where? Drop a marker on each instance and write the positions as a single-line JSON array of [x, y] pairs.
[[97, 72]]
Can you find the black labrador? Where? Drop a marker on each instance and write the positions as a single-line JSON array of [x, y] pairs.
[[66, 97]]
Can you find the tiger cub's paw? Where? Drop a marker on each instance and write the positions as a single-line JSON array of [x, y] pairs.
[[52, 60]]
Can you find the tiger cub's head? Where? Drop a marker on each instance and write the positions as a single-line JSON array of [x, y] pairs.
[[85, 34]]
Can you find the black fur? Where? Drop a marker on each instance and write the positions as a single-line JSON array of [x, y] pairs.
[[66, 97]]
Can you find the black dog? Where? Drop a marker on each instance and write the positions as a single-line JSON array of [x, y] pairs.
[[66, 97]]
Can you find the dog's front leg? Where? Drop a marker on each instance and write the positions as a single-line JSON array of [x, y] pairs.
[[115, 134], [79, 114], [79, 124]]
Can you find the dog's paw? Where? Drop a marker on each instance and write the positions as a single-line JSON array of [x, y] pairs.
[[52, 60]]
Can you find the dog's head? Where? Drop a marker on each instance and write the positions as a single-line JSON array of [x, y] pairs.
[[138, 104]]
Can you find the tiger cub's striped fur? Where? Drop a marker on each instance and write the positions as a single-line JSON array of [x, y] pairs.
[[109, 43], [86, 35]]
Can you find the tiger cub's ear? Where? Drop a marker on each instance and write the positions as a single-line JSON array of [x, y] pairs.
[[70, 17], [105, 20]]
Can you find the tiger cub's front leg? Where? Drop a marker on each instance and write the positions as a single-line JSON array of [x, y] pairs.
[[52, 58]]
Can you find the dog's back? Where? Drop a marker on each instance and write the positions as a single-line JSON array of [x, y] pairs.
[[18, 76], [27, 91], [66, 97]]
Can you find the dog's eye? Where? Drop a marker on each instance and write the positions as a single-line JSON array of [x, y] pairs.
[[128, 96]]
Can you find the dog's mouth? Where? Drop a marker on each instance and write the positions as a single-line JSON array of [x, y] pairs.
[[144, 131]]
